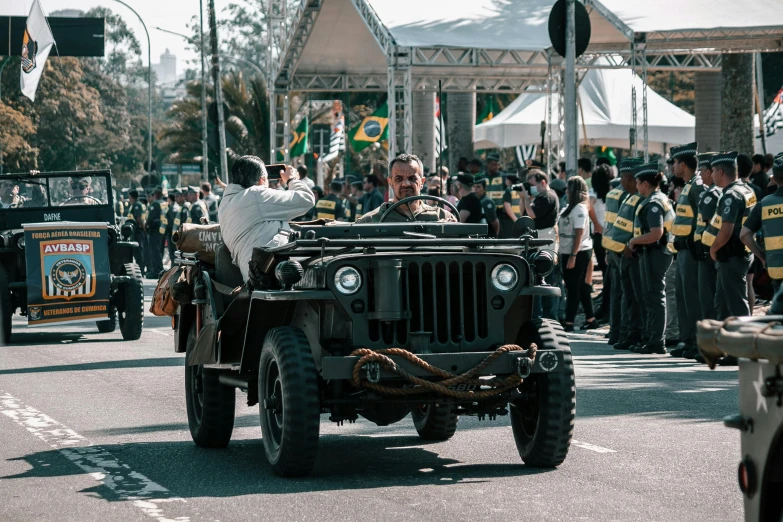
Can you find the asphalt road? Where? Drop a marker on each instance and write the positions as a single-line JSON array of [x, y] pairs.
[[95, 429]]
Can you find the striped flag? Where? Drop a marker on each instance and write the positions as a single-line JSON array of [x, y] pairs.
[[440, 129], [773, 116], [525, 152], [337, 137]]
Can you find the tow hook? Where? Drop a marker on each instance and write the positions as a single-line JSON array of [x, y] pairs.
[[524, 366], [373, 372]]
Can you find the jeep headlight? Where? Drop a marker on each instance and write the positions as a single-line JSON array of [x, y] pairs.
[[20, 241], [504, 277], [348, 280]]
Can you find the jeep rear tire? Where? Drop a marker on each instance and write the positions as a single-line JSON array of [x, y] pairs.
[[110, 324], [131, 315], [435, 421], [6, 310], [210, 404], [288, 401], [543, 419]]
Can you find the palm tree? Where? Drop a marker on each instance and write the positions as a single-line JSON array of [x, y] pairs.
[[247, 122]]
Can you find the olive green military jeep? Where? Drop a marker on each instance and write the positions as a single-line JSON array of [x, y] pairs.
[[382, 320]]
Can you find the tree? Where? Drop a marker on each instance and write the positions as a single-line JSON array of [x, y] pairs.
[[16, 152]]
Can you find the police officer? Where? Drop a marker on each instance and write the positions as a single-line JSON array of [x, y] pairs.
[[496, 184], [469, 205], [614, 200], [689, 252], [652, 227], [184, 205], [722, 236], [767, 216], [707, 271], [357, 195], [199, 213], [138, 213], [615, 241], [331, 206], [156, 233], [490, 209], [173, 225]]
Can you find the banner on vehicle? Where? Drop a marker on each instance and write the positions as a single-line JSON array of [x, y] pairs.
[[68, 274]]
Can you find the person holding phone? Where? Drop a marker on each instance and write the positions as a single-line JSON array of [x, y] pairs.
[[251, 214]]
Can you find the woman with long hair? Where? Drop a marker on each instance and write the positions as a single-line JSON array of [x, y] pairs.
[[576, 250]]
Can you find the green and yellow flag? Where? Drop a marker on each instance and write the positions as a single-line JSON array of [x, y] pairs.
[[374, 128], [297, 141], [489, 112]]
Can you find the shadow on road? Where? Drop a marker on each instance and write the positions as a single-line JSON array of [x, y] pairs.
[[347, 462], [101, 365]]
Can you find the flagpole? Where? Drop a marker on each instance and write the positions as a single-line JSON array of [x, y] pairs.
[[149, 87], [2, 66]]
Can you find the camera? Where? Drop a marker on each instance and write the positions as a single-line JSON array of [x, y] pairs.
[[521, 186]]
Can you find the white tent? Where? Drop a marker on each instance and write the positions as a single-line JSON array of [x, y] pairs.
[[605, 112]]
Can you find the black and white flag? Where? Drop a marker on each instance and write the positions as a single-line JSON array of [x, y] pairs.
[[773, 116]]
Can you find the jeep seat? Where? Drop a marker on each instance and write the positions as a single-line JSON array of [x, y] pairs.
[[226, 273]]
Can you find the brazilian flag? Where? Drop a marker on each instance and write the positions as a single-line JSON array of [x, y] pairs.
[[489, 112], [297, 142], [374, 128]]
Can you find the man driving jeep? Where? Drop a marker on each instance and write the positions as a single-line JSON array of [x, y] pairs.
[[406, 178], [80, 192], [251, 214]]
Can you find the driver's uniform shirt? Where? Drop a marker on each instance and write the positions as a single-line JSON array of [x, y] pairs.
[[422, 213]]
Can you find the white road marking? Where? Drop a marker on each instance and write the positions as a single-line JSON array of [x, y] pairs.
[[157, 332], [591, 447], [101, 465]]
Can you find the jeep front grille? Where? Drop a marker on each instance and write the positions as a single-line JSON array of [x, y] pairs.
[[446, 301]]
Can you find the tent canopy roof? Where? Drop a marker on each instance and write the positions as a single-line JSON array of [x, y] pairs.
[[349, 37], [604, 116]]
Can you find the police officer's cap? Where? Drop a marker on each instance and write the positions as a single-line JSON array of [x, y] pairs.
[[336, 185], [465, 179], [724, 158], [358, 184], [83, 181], [705, 160], [193, 189], [630, 164], [689, 149], [175, 192], [646, 170], [318, 190], [777, 164], [158, 190], [558, 184], [481, 180], [493, 157], [350, 178], [512, 177]]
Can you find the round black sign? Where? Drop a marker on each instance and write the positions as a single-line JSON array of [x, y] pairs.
[[557, 27]]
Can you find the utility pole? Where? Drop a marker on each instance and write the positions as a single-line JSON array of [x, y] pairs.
[[570, 90], [213, 37], [204, 137]]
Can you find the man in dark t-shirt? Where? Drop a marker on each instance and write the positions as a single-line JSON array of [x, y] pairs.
[[541, 203], [469, 206]]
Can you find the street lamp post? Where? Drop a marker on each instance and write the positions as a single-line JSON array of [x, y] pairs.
[[204, 145], [149, 86], [203, 88]]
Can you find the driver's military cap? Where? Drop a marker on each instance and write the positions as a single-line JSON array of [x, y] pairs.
[[689, 149], [83, 181], [465, 179], [193, 189]]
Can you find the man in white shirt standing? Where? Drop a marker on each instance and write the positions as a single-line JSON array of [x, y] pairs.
[[252, 214]]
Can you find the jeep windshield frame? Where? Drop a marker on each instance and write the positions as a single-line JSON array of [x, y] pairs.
[[12, 218]]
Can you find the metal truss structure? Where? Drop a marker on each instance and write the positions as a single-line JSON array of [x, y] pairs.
[[481, 70]]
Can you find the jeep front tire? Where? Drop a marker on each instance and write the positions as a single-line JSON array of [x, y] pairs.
[[543, 419]]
